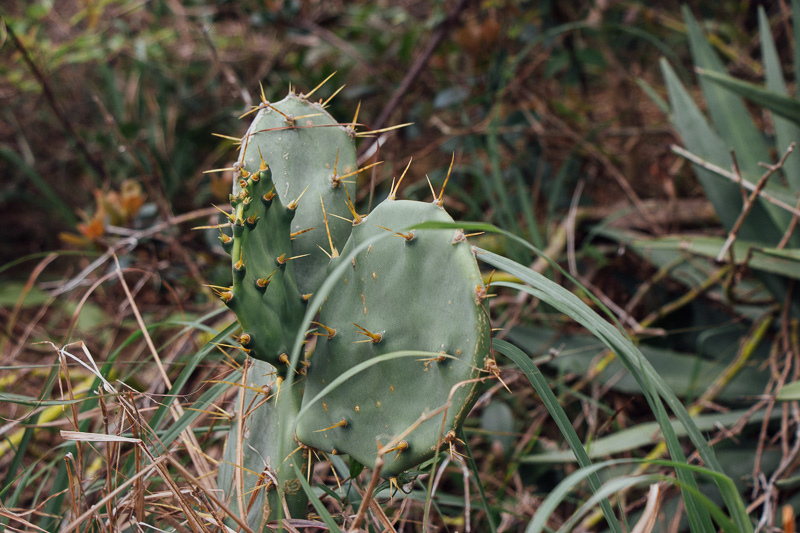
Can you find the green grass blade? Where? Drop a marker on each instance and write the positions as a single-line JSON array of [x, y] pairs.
[[322, 511], [560, 417], [477, 473], [609, 488], [187, 372]]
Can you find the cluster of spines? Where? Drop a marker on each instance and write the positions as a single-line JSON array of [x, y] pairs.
[[264, 293]]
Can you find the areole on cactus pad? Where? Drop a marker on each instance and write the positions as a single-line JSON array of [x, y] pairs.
[[413, 290]]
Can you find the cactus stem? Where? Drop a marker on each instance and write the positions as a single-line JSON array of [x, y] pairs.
[[393, 190], [293, 204], [337, 91], [334, 251], [440, 200], [375, 338], [315, 89], [340, 424], [330, 331], [382, 130]]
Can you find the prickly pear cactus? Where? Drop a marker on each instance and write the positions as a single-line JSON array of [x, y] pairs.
[[419, 291], [312, 155], [258, 411], [412, 291]]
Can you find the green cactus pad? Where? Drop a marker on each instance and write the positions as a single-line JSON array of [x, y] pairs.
[[259, 463], [264, 295], [307, 150], [410, 291]]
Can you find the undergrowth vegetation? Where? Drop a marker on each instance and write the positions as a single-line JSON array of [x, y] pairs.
[[627, 175]]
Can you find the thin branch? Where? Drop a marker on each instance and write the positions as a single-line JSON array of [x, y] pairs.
[[727, 174], [749, 202]]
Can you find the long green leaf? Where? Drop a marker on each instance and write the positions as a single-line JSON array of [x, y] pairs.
[[781, 105], [728, 113], [786, 131], [559, 416], [704, 142], [322, 511]]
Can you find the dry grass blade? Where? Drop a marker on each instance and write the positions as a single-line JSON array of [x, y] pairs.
[[647, 521], [188, 436], [76, 524], [95, 437]]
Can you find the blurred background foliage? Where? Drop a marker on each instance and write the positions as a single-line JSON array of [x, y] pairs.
[[558, 118]]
